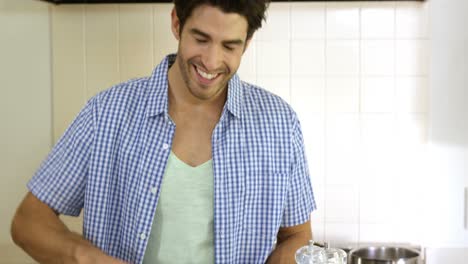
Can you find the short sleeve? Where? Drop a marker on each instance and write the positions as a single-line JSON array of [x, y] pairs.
[[300, 198], [60, 181]]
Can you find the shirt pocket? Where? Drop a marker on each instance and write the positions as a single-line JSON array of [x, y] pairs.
[[264, 200]]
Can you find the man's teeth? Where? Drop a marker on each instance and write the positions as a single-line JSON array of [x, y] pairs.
[[206, 75]]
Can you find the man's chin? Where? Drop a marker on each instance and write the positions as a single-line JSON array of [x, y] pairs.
[[206, 92]]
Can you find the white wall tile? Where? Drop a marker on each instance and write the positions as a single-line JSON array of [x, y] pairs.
[[412, 94], [308, 95], [275, 84], [342, 20], [376, 201], [378, 185], [341, 203], [308, 20], [317, 173], [102, 60], [277, 26], [342, 94], [276, 51], [25, 106], [317, 179], [437, 254], [412, 128], [307, 57], [252, 79], [378, 57], [342, 234], [135, 37], [378, 94], [371, 233], [313, 127], [68, 81], [248, 65], [343, 148], [378, 135], [343, 167], [412, 57], [342, 57], [164, 41], [316, 161], [317, 217], [378, 172], [343, 131], [410, 229], [318, 229], [412, 20], [378, 20], [12, 254]]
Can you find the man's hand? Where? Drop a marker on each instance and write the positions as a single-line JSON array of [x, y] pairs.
[[38, 230], [290, 239]]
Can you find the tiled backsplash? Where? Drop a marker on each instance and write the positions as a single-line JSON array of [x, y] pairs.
[[356, 73]]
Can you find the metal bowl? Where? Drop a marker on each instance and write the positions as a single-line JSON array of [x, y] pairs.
[[383, 255]]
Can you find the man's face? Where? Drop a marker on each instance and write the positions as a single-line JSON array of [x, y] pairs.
[[211, 45]]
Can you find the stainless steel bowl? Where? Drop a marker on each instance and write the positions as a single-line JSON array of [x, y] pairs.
[[383, 255]]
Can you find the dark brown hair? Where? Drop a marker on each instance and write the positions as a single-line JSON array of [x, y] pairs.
[[252, 10]]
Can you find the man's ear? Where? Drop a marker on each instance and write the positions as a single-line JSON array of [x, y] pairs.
[[175, 24]]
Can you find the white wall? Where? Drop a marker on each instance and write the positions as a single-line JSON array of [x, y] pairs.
[[25, 105], [97, 46], [448, 131], [356, 72]]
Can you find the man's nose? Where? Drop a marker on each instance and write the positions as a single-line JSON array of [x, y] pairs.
[[213, 57]]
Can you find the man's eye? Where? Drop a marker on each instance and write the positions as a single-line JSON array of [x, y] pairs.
[[201, 40], [229, 48]]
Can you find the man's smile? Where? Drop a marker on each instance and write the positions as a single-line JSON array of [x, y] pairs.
[[205, 77]]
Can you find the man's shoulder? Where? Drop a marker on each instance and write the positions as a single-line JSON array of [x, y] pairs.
[[258, 99], [125, 96], [127, 90]]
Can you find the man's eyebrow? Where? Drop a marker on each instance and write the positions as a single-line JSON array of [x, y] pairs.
[[234, 42], [226, 42], [199, 32]]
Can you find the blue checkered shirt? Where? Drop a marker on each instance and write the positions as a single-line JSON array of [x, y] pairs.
[[111, 160]]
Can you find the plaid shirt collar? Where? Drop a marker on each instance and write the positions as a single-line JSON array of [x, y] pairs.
[[158, 92]]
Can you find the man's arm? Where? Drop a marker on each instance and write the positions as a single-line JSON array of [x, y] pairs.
[[290, 239], [38, 230]]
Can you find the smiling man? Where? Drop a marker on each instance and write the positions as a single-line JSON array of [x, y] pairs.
[[189, 165]]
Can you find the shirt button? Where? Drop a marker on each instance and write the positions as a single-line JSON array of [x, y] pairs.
[[165, 146], [154, 190], [142, 236]]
